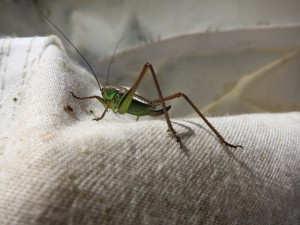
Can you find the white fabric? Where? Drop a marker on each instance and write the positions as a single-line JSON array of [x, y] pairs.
[[60, 167]]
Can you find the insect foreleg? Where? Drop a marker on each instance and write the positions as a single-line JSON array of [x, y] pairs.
[[180, 94], [103, 102]]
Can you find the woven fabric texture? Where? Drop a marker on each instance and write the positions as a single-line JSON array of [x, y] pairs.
[[57, 166]]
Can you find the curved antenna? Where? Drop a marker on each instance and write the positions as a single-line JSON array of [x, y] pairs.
[[43, 15], [111, 60]]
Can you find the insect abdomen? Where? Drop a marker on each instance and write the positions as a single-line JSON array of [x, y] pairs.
[[141, 109]]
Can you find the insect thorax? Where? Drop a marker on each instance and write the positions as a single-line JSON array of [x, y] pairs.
[[113, 95]]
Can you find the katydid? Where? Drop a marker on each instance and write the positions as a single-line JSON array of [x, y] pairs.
[[122, 100]]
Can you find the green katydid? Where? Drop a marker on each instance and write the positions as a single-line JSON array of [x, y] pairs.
[[122, 100]]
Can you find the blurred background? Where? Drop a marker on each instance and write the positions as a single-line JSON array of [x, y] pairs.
[[229, 57]]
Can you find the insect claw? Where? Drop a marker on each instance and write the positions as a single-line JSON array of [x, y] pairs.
[[233, 146], [74, 96], [178, 139], [176, 136]]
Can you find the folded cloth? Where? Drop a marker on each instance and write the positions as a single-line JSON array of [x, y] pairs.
[[57, 166]]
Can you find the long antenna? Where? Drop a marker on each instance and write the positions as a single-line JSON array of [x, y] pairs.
[[111, 60], [72, 46]]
